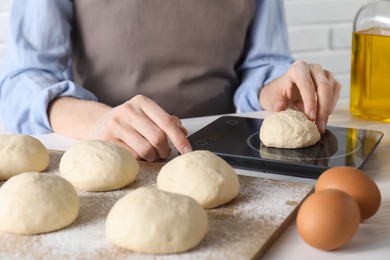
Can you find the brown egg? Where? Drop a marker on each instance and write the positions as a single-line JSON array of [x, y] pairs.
[[356, 184], [328, 219]]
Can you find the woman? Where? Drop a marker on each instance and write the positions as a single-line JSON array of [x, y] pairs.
[[126, 71]]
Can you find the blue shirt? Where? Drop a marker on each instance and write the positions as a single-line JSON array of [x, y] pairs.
[[38, 65]]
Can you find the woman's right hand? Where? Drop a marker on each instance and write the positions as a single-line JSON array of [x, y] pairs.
[[139, 125]]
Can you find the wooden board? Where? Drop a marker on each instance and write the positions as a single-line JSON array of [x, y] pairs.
[[242, 229]]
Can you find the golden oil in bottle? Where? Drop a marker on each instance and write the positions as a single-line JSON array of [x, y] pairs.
[[370, 74]]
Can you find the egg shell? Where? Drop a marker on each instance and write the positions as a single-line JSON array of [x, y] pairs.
[[328, 219], [356, 184]]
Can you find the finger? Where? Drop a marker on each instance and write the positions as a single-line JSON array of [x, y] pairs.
[[169, 125], [324, 96], [138, 143], [297, 102], [146, 127], [177, 134], [336, 95], [128, 148], [272, 97], [157, 138], [178, 121], [299, 74], [336, 90]]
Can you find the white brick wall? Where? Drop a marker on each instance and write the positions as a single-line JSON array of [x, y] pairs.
[[4, 12], [320, 31]]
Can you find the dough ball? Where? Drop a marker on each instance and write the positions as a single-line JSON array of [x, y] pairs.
[[21, 153], [288, 129], [98, 166], [201, 175], [33, 203], [148, 220]]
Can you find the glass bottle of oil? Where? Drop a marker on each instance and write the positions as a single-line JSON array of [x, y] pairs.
[[370, 66]]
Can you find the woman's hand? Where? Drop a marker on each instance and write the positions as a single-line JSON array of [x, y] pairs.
[[143, 127], [304, 87], [139, 125]]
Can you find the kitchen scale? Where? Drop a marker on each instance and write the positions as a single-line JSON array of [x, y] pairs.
[[236, 139]]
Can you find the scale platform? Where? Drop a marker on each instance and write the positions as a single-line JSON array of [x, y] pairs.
[[236, 139]]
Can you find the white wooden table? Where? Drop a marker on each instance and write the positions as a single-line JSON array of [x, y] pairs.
[[372, 240]]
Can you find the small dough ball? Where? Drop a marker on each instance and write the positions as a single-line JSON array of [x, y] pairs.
[[98, 166], [34, 203], [201, 175], [21, 153], [288, 129], [148, 220]]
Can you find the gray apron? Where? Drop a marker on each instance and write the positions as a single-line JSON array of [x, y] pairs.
[[182, 54]]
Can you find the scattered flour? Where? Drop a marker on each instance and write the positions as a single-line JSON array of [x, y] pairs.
[[239, 229]]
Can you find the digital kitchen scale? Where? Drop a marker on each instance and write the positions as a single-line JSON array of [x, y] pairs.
[[236, 139]]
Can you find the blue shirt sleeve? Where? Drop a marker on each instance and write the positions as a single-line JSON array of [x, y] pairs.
[[37, 64], [267, 56]]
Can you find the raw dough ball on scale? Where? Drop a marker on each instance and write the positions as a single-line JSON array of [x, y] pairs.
[[201, 175], [148, 220], [288, 129], [21, 153], [33, 203], [98, 166]]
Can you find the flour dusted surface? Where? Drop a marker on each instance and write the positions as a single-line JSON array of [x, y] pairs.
[[242, 228]]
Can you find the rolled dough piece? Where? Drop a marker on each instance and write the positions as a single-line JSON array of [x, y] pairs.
[[288, 129], [98, 166], [201, 175], [148, 220], [33, 203], [21, 153]]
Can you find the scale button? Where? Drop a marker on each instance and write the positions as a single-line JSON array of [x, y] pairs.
[[232, 122], [201, 142]]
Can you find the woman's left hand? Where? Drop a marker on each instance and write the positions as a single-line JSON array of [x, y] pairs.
[[304, 87]]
